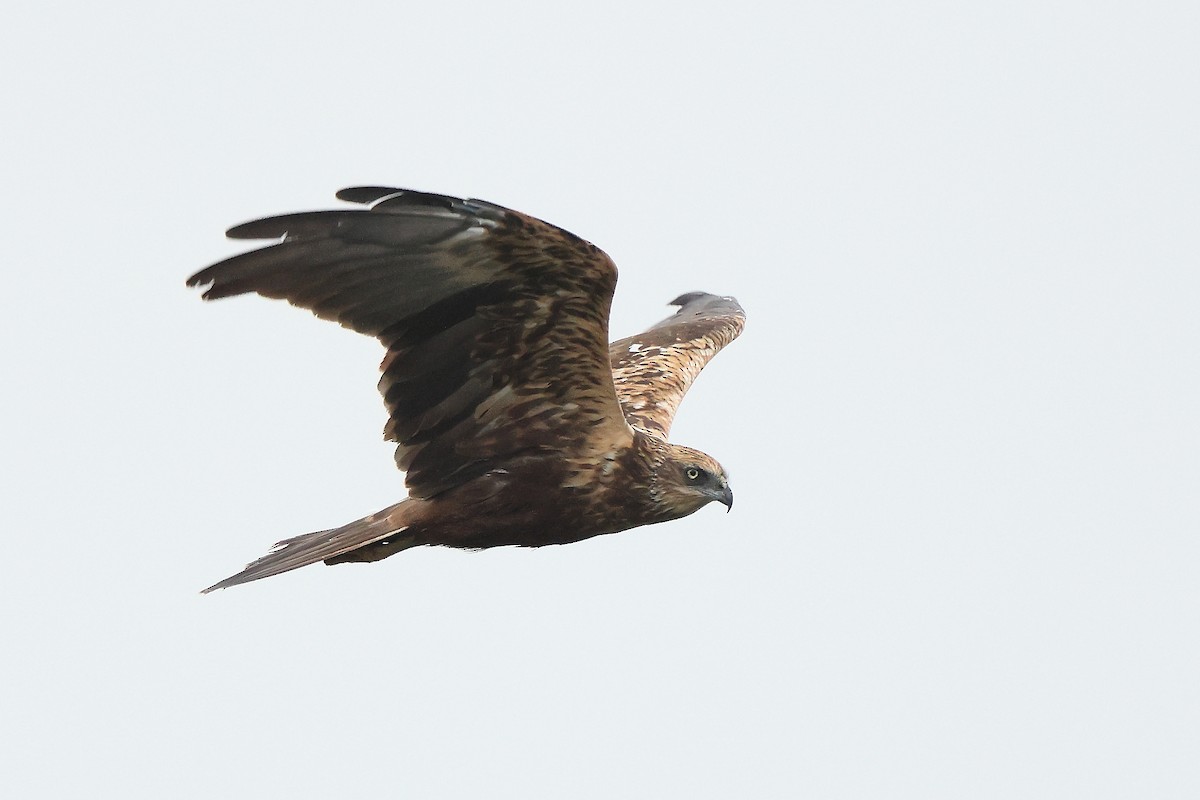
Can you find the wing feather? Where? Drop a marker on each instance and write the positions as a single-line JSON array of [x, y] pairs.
[[495, 323], [654, 369]]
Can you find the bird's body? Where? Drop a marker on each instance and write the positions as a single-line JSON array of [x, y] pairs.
[[537, 500], [515, 421]]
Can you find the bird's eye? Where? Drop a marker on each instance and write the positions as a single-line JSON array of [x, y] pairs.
[[692, 473]]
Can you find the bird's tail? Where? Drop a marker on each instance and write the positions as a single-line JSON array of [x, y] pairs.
[[376, 536]]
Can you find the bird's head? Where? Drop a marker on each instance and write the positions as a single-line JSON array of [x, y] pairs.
[[686, 480]]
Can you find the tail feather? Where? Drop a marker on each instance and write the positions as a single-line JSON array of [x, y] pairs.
[[309, 548]]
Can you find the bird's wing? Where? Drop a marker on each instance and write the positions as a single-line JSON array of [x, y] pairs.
[[495, 323], [654, 369]]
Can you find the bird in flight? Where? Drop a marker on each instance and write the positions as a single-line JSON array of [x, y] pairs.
[[516, 422]]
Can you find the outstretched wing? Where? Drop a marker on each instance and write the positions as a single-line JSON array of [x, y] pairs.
[[654, 369], [495, 323]]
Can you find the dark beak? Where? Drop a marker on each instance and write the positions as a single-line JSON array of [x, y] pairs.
[[726, 497]]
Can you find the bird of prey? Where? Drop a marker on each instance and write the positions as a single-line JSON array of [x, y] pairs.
[[515, 421]]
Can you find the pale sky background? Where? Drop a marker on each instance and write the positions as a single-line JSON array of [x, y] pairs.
[[962, 423]]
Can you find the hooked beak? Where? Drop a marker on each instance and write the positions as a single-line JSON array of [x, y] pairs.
[[725, 497]]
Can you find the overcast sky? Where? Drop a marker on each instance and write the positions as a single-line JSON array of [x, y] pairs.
[[961, 424]]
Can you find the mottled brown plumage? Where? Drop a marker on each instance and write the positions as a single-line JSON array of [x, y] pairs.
[[514, 419]]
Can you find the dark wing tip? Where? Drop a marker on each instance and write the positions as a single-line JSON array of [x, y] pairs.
[[429, 219], [366, 194], [215, 291], [204, 277], [268, 228], [696, 306], [690, 297], [703, 302], [301, 223], [383, 197]]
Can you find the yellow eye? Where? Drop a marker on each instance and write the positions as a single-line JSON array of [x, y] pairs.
[[692, 473]]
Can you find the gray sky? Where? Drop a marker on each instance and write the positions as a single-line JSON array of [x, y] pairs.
[[961, 425]]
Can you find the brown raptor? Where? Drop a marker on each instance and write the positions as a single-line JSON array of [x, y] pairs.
[[516, 422]]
